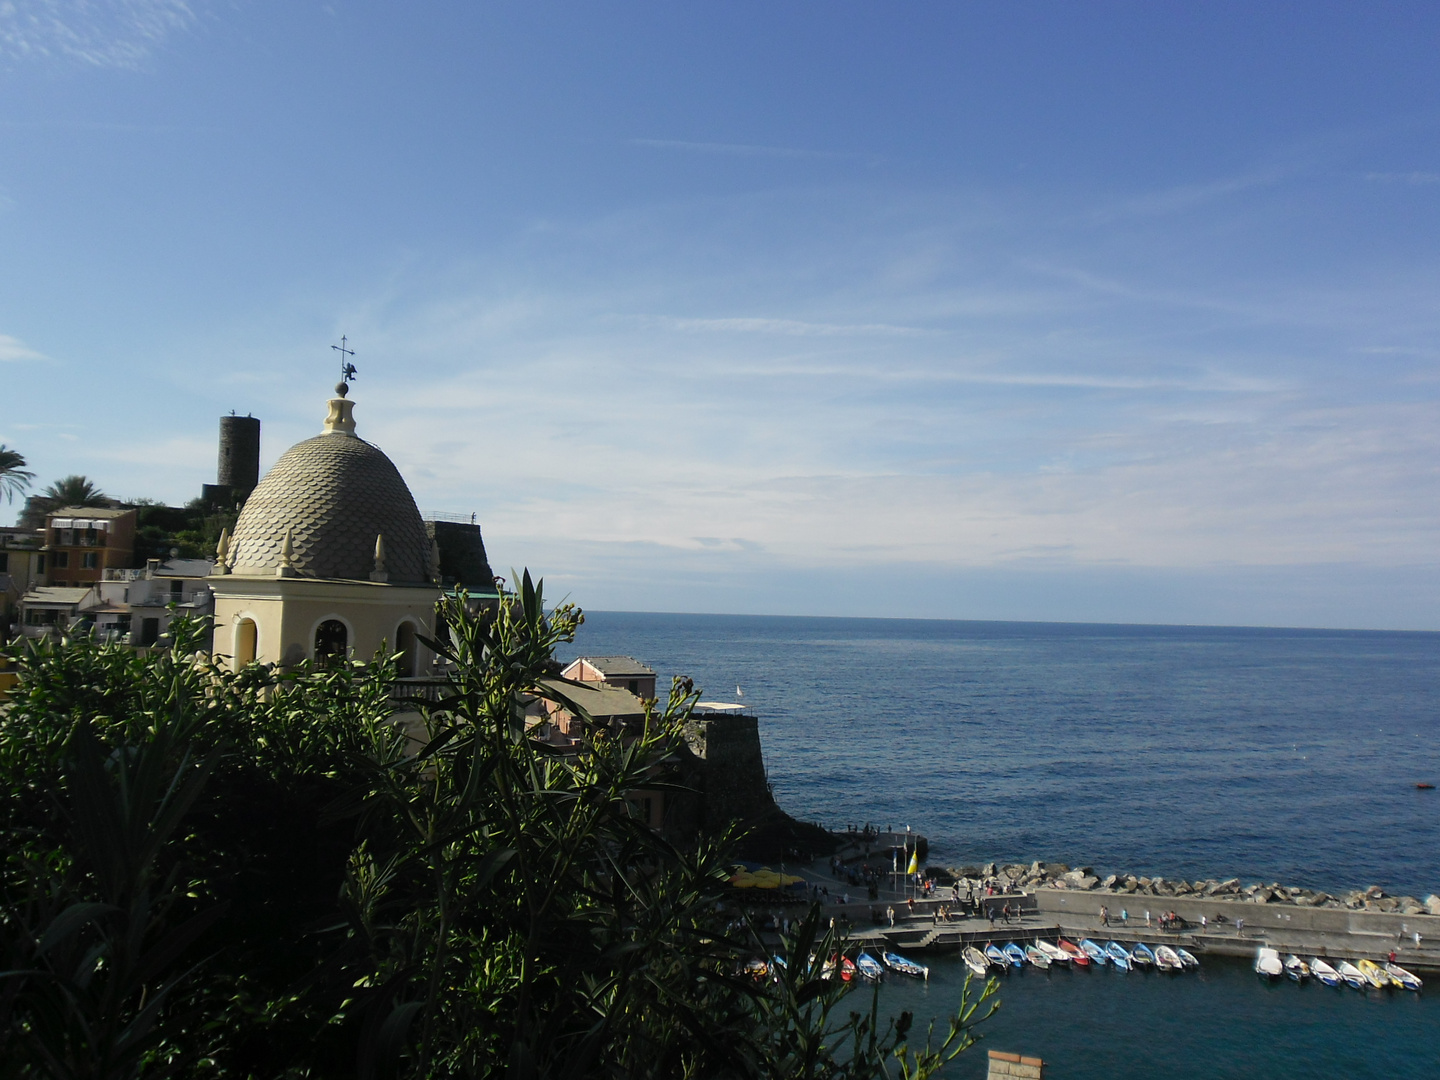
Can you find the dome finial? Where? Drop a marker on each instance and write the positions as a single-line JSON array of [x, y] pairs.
[[379, 574], [287, 554], [222, 552]]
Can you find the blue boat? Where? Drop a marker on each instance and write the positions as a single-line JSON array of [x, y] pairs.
[[1096, 954], [1142, 954], [1118, 956], [1015, 953], [896, 962], [996, 955], [869, 967]]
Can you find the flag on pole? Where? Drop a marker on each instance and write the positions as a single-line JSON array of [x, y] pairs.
[[914, 863]]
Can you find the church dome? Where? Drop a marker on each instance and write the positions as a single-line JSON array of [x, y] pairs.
[[332, 495]]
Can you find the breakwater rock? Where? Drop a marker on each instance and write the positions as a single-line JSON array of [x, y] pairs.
[[1057, 875]]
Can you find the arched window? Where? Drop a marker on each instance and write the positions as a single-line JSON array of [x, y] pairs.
[[331, 641], [405, 645], [245, 636]]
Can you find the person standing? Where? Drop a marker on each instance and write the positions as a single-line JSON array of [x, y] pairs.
[[890, 914], [1147, 920]]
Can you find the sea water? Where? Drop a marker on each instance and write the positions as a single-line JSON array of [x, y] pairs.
[[1274, 755]]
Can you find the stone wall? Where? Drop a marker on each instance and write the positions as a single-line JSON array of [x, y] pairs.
[[731, 770]]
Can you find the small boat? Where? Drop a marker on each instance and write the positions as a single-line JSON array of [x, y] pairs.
[[1296, 969], [975, 961], [1423, 786], [1353, 976], [1324, 972], [1015, 953], [757, 968], [996, 956], [1118, 956], [1093, 951], [1186, 957], [1055, 954], [1403, 977], [1267, 963], [1076, 954], [896, 962], [1142, 955], [1374, 974], [1167, 959], [1037, 956], [869, 967]]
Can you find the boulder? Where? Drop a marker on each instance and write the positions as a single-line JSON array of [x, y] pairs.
[[1374, 892], [1432, 904], [1056, 869], [1144, 883], [1037, 868], [1411, 909], [1089, 881], [1261, 896], [1305, 901], [1108, 882], [969, 872], [991, 869]]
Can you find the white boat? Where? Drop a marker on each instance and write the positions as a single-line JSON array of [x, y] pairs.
[[1296, 969], [1324, 972], [1353, 976], [1093, 951], [975, 961], [1118, 955], [1056, 955], [1403, 977], [1036, 956], [1167, 959], [896, 962], [1186, 957], [1267, 963]]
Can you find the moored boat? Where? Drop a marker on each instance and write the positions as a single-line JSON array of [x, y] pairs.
[[1353, 976], [1142, 954], [1267, 963], [1037, 955], [1056, 954], [1118, 955], [1324, 972], [996, 956], [1093, 951], [1186, 957], [896, 962], [1374, 974], [1076, 954], [1167, 959], [1015, 953], [975, 961], [1403, 977], [757, 968], [1296, 969], [869, 967]]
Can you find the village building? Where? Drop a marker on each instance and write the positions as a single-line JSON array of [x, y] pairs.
[[622, 672], [82, 542]]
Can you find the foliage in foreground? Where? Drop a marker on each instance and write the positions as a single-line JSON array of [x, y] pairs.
[[261, 875]]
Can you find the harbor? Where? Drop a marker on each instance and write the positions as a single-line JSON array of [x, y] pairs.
[[993, 907]]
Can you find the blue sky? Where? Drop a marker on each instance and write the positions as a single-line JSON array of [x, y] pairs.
[[1110, 312]]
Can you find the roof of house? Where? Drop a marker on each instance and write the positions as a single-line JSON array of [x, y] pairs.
[[90, 513], [54, 595], [616, 666], [600, 701], [186, 568]]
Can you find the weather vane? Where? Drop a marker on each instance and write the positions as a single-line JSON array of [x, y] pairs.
[[347, 369]]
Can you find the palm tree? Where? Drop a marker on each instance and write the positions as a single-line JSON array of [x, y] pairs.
[[14, 477], [74, 491]]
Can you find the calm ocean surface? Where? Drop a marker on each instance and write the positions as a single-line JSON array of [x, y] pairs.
[[1286, 755]]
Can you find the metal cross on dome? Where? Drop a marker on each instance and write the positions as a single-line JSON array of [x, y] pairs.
[[347, 369]]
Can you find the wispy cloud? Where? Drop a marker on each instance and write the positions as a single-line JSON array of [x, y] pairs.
[[1413, 178], [738, 149], [113, 34], [787, 327], [12, 348]]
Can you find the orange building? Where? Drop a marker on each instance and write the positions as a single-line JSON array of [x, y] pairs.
[[82, 542]]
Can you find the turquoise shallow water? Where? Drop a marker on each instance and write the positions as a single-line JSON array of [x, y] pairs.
[[1195, 752]]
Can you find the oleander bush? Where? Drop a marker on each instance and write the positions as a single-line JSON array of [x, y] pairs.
[[260, 874]]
